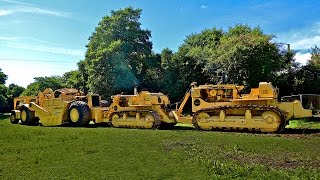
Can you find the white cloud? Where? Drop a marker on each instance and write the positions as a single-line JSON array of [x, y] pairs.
[[25, 39], [306, 43], [4, 12], [29, 8], [203, 6], [30, 43], [302, 58], [32, 10], [304, 38], [17, 2]]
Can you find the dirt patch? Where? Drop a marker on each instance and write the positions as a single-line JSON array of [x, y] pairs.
[[169, 146]]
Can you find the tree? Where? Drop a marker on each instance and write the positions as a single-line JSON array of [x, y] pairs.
[[3, 97], [188, 64], [247, 55], [3, 90], [116, 53], [41, 83], [169, 71], [73, 79], [285, 78], [308, 77], [152, 73], [3, 77], [83, 75], [13, 91], [315, 55]]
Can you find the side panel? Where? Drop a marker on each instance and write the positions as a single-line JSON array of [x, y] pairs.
[[99, 115], [48, 117], [294, 110], [300, 112]]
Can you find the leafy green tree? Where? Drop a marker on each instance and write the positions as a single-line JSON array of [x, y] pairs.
[[73, 79], [247, 55], [189, 63], [116, 53], [315, 55], [3, 90], [3, 77], [83, 75], [3, 97], [41, 83], [308, 76], [169, 71], [13, 91], [285, 79], [152, 73]]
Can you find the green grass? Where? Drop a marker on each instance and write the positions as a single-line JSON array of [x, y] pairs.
[[33, 152], [304, 124]]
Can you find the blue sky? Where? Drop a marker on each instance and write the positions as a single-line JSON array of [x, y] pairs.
[[48, 37]]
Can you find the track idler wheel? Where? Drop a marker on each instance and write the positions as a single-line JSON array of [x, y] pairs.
[[198, 118], [149, 118], [275, 121]]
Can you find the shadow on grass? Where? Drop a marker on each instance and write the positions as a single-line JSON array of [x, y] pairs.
[[69, 125], [4, 116], [300, 131], [181, 127]]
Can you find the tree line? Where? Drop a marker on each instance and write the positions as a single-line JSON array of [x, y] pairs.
[[119, 57]]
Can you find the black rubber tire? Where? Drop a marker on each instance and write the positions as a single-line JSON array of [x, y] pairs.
[[84, 113], [30, 120], [13, 119]]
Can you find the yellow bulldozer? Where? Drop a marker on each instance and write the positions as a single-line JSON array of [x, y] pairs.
[[144, 110], [222, 106]]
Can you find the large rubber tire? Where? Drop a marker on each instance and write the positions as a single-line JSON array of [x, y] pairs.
[[79, 113], [27, 117], [13, 119]]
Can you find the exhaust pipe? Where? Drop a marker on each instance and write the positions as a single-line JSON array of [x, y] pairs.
[[135, 91]]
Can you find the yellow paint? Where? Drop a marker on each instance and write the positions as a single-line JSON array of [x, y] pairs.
[[205, 97], [134, 120], [74, 115], [144, 101], [23, 116]]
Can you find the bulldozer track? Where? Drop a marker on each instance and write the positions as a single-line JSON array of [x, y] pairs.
[[156, 124], [217, 109]]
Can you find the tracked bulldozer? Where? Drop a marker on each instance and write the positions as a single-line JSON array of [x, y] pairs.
[[222, 106], [145, 110]]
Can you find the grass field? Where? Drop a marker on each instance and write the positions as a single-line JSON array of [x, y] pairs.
[[33, 152]]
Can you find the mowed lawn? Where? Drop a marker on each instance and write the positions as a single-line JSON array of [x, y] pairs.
[[34, 152]]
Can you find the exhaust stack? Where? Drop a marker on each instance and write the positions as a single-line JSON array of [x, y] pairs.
[[135, 91]]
